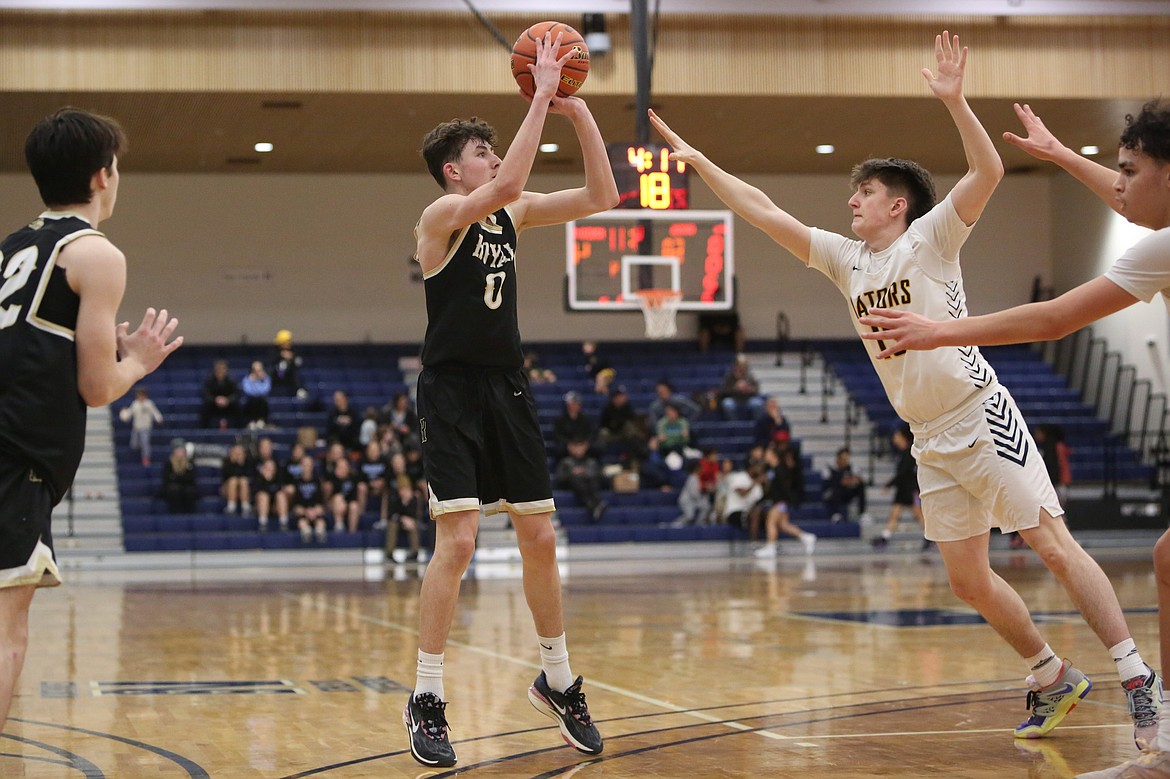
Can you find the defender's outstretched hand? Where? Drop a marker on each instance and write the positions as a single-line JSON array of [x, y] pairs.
[[899, 330], [680, 149], [148, 345], [1039, 140], [952, 62]]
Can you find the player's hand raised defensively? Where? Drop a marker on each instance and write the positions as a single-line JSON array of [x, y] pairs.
[[899, 330], [952, 62], [1039, 140], [680, 149], [151, 342]]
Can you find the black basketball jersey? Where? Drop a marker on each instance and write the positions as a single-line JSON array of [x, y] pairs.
[[42, 414], [471, 299]]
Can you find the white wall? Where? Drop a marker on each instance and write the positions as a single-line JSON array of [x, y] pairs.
[[1091, 238], [336, 251]]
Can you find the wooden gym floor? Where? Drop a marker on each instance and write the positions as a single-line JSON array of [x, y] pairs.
[[859, 665]]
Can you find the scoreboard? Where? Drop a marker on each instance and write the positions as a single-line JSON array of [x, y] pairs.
[[611, 255]]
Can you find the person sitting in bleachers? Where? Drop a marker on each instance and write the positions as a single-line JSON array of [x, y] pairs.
[[621, 430], [536, 373], [374, 468], [693, 501], [572, 425], [333, 453], [342, 493], [842, 486], [368, 431], [407, 507], [179, 489], [598, 367], [342, 424], [771, 428], [740, 390], [256, 387], [664, 393], [285, 368], [744, 490], [674, 433], [221, 396], [268, 495], [414, 464], [580, 472], [308, 503], [236, 481], [401, 417], [290, 471]]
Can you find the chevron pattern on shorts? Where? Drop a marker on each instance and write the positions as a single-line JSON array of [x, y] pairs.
[[1007, 430]]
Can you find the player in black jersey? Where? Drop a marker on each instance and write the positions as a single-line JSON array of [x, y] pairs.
[[61, 349], [481, 442]]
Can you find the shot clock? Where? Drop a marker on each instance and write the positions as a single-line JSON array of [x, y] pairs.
[[647, 178]]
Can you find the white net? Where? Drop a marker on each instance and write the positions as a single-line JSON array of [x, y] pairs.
[[660, 307]]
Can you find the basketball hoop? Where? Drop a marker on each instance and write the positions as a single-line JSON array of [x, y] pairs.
[[660, 306]]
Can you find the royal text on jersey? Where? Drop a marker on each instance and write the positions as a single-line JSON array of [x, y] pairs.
[[491, 253]]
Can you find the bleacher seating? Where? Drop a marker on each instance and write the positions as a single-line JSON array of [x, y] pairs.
[[1042, 396], [371, 375]]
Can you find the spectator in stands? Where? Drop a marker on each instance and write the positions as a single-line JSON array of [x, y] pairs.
[[598, 368], [693, 501], [286, 368], [342, 492], [572, 425], [334, 452], [267, 494], [342, 424], [400, 415], [905, 485], [389, 441], [536, 373], [290, 471], [1055, 453], [621, 430], [740, 390], [374, 468], [665, 394], [744, 490], [673, 432], [368, 431], [179, 489], [653, 472], [842, 486], [414, 464], [221, 397], [236, 481], [308, 503], [720, 328], [580, 472], [256, 387], [710, 470], [407, 507], [771, 428], [264, 451], [719, 497], [784, 494], [142, 414]]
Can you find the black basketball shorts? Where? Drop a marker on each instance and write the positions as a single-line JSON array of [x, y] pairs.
[[26, 542], [481, 442]]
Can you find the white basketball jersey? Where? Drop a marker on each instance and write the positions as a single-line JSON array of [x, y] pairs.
[[919, 272]]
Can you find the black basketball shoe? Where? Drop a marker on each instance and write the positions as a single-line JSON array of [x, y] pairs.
[[569, 710], [426, 724]]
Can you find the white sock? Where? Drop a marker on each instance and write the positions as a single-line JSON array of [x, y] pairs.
[[1128, 659], [887, 533], [429, 674], [554, 659], [1045, 666]]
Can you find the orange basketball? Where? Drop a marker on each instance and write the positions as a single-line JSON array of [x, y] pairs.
[[572, 73]]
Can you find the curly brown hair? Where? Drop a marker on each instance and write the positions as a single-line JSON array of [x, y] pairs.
[[1149, 131], [904, 178]]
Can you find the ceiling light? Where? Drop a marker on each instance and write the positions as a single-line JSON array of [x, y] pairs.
[[826, 148], [1089, 151], [549, 148], [263, 146]]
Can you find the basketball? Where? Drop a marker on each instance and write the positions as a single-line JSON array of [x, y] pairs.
[[573, 72]]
